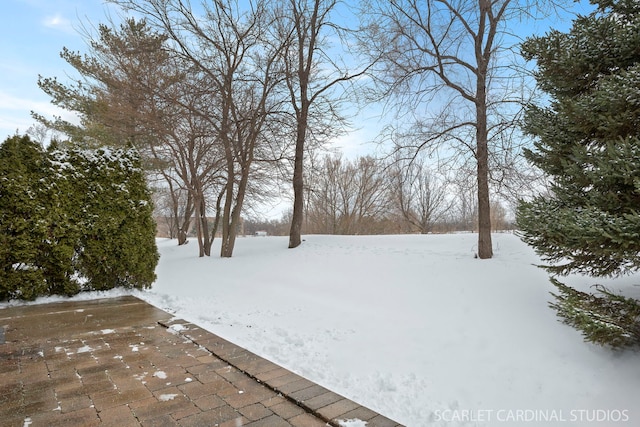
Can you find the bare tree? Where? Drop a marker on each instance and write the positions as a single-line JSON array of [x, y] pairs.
[[173, 210], [421, 196], [136, 91], [349, 197], [228, 45], [197, 162], [465, 209], [446, 54], [322, 211], [312, 74], [370, 204], [42, 134]]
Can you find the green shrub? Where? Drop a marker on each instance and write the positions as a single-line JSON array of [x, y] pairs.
[[118, 243], [72, 220], [23, 222]]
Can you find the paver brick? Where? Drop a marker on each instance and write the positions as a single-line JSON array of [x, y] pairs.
[[61, 368], [168, 393], [187, 412], [234, 422], [240, 400], [273, 400], [272, 421], [272, 374], [361, 413], [209, 418], [308, 393], [210, 377], [294, 386], [74, 387], [40, 406], [14, 418], [131, 381], [207, 359], [229, 391], [287, 410], [160, 421], [259, 366], [306, 420], [337, 409], [84, 417], [285, 379], [321, 401], [195, 390], [98, 368], [98, 363], [89, 387], [117, 416], [249, 385], [244, 360], [382, 421], [38, 391], [30, 395], [255, 412], [74, 403], [200, 368], [160, 378], [208, 402], [151, 408], [231, 374]]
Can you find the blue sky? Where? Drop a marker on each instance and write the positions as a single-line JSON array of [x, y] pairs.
[[32, 34]]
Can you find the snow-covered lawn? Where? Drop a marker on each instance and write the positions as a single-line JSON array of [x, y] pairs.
[[411, 326]]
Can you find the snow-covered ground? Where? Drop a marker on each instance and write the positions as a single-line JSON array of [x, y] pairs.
[[411, 326]]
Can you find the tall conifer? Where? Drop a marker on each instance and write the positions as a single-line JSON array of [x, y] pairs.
[[588, 142]]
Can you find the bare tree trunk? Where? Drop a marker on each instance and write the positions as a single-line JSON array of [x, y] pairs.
[[199, 230], [485, 248], [229, 240], [202, 227], [226, 247], [182, 221], [298, 181], [309, 90], [426, 46], [206, 240], [216, 222]]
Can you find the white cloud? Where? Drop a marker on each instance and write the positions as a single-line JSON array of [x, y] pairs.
[[12, 104], [15, 113], [58, 22]]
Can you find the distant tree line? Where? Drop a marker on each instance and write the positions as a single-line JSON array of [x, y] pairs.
[[372, 196]]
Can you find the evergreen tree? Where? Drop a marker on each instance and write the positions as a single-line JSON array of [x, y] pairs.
[[114, 95], [58, 199], [72, 220], [37, 233], [118, 246], [22, 220], [588, 142]]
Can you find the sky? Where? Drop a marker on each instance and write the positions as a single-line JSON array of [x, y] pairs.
[[32, 34]]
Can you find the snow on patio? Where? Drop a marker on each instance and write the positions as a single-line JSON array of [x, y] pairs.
[[411, 326]]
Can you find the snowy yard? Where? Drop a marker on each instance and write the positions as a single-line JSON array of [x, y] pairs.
[[411, 326]]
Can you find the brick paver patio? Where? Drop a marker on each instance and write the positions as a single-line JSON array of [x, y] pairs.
[[122, 362]]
